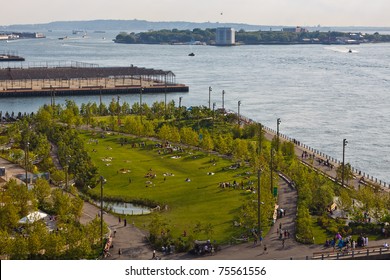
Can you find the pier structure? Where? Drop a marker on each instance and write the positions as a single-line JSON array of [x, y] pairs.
[[85, 79]]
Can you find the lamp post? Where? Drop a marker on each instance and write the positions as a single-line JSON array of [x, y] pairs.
[[214, 104], [238, 115], [119, 110], [343, 166], [223, 101], [258, 202], [165, 94], [277, 133], [180, 98], [100, 106], [210, 89], [26, 161], [272, 168], [140, 98], [67, 172], [102, 181]]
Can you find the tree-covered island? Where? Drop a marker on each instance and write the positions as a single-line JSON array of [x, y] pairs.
[[207, 36]]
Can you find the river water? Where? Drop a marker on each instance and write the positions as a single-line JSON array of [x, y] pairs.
[[322, 94]]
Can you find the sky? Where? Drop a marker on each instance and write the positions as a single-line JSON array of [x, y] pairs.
[[259, 12]]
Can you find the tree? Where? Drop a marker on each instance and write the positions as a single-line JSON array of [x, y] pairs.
[[348, 174], [42, 192], [322, 198], [345, 201], [20, 196], [164, 132], [207, 141], [37, 234], [304, 225]]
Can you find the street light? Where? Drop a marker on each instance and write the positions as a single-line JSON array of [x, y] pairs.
[[102, 181], [238, 115], [210, 89], [141, 89], [343, 166], [214, 104], [165, 94], [258, 202], [277, 133], [26, 161], [223, 101], [272, 168], [180, 98], [119, 107], [67, 172]]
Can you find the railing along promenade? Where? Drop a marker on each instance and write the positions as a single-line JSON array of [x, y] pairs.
[[361, 177], [361, 252]]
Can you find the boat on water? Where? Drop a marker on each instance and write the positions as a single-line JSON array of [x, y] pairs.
[[6, 57], [191, 54], [350, 51], [63, 38]]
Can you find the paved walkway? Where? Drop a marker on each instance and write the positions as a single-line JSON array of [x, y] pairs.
[[129, 239]]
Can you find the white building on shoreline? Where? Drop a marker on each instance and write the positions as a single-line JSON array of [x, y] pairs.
[[225, 36]]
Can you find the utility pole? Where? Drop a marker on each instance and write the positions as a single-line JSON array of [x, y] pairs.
[[102, 181], [26, 161], [223, 101], [343, 166], [258, 202], [272, 168], [277, 133], [238, 115], [210, 89]]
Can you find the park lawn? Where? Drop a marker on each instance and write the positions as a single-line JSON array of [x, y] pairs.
[[200, 200], [320, 234]]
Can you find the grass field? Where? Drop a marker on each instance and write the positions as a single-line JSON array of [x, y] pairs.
[[148, 172]]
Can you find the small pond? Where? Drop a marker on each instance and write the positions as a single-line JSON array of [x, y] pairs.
[[126, 208]]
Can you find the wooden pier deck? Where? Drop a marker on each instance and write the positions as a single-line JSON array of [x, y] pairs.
[[68, 81]]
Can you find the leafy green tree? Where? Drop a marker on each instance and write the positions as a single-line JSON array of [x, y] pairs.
[[9, 215], [207, 141], [42, 192], [19, 248], [55, 245], [164, 132], [240, 149], [322, 198], [304, 228], [21, 197], [345, 201], [37, 235], [348, 174]]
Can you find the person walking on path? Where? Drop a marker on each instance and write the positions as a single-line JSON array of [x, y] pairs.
[[265, 249]]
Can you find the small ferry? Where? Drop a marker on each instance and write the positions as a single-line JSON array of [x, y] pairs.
[[6, 57]]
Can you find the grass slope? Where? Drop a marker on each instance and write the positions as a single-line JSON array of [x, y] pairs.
[[126, 168]]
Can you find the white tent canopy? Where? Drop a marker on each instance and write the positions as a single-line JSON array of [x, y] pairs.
[[33, 217]]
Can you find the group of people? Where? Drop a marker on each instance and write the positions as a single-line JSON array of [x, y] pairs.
[[346, 243]]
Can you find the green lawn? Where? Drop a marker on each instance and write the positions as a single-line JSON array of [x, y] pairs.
[[200, 200]]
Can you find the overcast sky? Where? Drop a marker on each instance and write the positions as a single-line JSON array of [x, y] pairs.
[[261, 12]]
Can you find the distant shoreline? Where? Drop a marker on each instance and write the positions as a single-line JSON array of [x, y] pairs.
[[288, 36]]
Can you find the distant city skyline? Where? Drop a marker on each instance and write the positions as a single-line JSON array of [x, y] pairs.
[[258, 12]]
